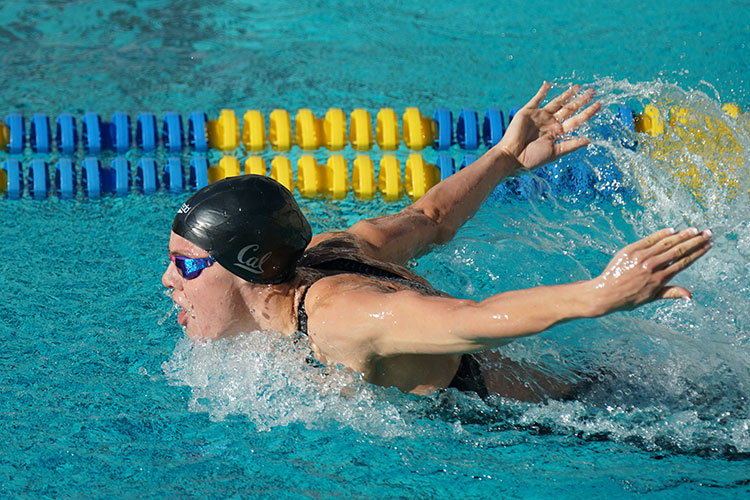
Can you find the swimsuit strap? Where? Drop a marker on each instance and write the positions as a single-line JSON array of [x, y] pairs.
[[355, 267], [302, 314]]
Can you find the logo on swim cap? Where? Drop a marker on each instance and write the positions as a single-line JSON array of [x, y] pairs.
[[251, 263], [185, 208]]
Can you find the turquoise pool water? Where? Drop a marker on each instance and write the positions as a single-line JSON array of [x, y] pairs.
[[102, 396]]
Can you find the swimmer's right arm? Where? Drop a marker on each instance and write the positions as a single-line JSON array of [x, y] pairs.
[[532, 139], [407, 322]]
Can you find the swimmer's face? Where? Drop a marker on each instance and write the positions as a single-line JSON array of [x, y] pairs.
[[212, 305]]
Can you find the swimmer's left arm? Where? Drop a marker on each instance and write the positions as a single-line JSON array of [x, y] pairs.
[[407, 322]]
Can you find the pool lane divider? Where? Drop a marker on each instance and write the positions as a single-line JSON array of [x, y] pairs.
[[332, 179], [309, 133]]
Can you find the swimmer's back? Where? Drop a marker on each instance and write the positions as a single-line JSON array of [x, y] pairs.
[[327, 248]]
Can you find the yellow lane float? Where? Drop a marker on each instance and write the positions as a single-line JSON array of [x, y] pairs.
[[228, 167], [334, 130], [224, 133], [390, 185], [280, 130], [649, 122], [419, 176], [386, 130], [417, 129], [281, 172], [253, 131], [363, 178], [308, 130], [255, 165], [336, 178], [309, 176], [4, 136], [360, 130]]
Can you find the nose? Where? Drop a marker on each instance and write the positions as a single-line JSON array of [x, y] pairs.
[[171, 277]]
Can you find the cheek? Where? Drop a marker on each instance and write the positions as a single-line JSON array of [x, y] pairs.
[[203, 296], [215, 307]]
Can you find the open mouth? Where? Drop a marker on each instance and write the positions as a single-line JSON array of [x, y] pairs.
[[182, 316], [182, 312]]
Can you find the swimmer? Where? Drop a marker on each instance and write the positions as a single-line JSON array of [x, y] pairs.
[[243, 258]]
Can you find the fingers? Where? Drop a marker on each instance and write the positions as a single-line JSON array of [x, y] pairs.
[[676, 246], [563, 148], [649, 240], [684, 262], [564, 109], [669, 240], [539, 97], [560, 101], [687, 247], [674, 292], [582, 117]]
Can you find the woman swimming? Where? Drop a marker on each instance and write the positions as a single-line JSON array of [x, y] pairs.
[[244, 259]]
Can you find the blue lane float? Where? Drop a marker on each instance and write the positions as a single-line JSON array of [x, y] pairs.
[[146, 180], [531, 187], [574, 178], [65, 179], [67, 135], [40, 135], [444, 120], [197, 131], [38, 179], [198, 172], [626, 118], [119, 183], [91, 177], [555, 175], [91, 133], [493, 127], [467, 130], [172, 175], [17, 126], [577, 178], [120, 131], [145, 133], [172, 133], [446, 165], [98, 137], [14, 173]]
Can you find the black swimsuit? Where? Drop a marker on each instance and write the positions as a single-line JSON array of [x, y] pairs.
[[469, 375]]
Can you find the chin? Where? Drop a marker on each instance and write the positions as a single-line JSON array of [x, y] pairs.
[[192, 336], [195, 335], [199, 335]]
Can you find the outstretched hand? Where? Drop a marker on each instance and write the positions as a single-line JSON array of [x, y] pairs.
[[639, 273], [533, 134]]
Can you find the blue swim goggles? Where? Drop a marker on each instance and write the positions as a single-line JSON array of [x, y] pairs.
[[191, 268]]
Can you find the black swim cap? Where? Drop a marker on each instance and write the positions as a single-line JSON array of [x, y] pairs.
[[250, 224]]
